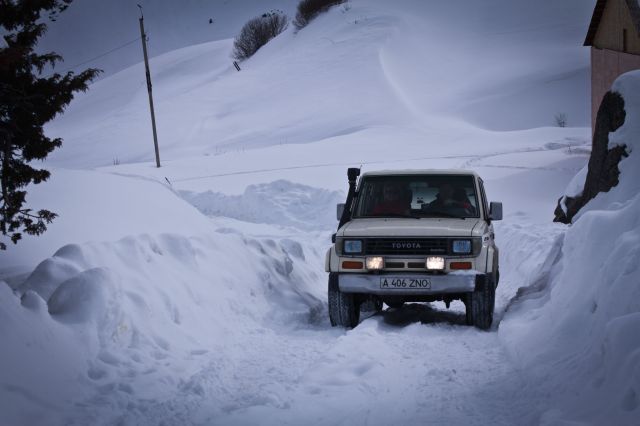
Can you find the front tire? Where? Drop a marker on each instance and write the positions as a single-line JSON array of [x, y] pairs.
[[344, 310], [480, 303], [371, 304]]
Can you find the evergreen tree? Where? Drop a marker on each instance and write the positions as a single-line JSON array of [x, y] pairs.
[[28, 101]]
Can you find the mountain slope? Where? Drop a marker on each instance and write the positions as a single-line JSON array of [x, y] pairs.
[[361, 67]]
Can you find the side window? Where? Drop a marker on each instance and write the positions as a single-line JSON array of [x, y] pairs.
[[485, 207]]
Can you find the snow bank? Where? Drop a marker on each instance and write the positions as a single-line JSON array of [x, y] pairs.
[[579, 333], [525, 250], [105, 322], [279, 203], [95, 206], [575, 188], [142, 308]]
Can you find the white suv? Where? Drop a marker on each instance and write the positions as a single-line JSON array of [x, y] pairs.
[[417, 235]]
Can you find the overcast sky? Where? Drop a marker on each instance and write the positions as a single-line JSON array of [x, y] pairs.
[[91, 28]]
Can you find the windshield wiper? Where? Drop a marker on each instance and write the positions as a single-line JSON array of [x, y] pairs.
[[408, 216], [443, 214], [387, 215]]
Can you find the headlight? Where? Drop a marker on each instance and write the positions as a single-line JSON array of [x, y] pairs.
[[435, 263], [352, 246], [461, 246], [375, 263]]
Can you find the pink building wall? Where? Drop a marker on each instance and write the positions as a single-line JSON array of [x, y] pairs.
[[606, 66]]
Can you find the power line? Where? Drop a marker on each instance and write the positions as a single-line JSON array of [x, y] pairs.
[[102, 55]]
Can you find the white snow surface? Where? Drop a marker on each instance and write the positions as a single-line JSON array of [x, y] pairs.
[[372, 70], [577, 330], [279, 203], [576, 186], [196, 293]]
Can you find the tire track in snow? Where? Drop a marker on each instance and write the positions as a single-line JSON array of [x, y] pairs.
[[472, 159]]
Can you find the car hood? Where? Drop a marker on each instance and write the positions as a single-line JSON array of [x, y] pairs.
[[402, 227]]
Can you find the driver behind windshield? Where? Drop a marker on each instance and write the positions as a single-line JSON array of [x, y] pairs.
[[449, 198], [396, 200]]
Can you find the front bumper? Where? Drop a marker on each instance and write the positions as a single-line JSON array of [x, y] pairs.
[[438, 284]]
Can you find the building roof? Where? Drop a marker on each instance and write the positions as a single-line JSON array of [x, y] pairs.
[[634, 10]]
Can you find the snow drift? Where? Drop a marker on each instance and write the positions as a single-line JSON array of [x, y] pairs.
[[113, 319], [94, 206], [579, 333], [278, 203]]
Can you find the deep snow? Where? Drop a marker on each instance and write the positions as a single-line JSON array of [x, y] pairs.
[[195, 293], [578, 333]]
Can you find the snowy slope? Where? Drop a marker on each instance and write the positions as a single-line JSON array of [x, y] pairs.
[[369, 67], [98, 207], [579, 332]]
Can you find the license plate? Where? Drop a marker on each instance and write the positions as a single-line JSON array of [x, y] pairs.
[[405, 283]]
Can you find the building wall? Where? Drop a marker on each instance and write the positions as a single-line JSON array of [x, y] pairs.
[[608, 61], [615, 18], [606, 66]]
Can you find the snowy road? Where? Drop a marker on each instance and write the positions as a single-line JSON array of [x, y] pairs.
[[415, 365], [257, 348]]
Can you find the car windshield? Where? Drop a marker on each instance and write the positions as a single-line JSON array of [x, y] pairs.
[[417, 196]]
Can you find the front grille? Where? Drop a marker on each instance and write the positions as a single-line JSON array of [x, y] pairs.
[[406, 246]]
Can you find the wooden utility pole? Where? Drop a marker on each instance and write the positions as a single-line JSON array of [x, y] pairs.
[[146, 66]]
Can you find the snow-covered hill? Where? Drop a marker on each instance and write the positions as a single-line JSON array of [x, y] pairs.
[[362, 71], [195, 293]]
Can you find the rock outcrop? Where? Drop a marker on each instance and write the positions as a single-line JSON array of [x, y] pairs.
[[603, 172]]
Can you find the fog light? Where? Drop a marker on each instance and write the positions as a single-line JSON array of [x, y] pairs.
[[435, 263], [375, 262]]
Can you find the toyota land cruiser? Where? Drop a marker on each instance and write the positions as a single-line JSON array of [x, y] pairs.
[[414, 236]]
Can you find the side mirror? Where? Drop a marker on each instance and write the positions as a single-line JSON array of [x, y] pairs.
[[339, 210], [495, 211]]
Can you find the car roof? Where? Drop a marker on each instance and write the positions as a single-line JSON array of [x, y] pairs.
[[410, 172]]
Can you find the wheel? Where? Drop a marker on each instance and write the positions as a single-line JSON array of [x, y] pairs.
[[371, 304], [480, 303], [468, 310], [344, 310]]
